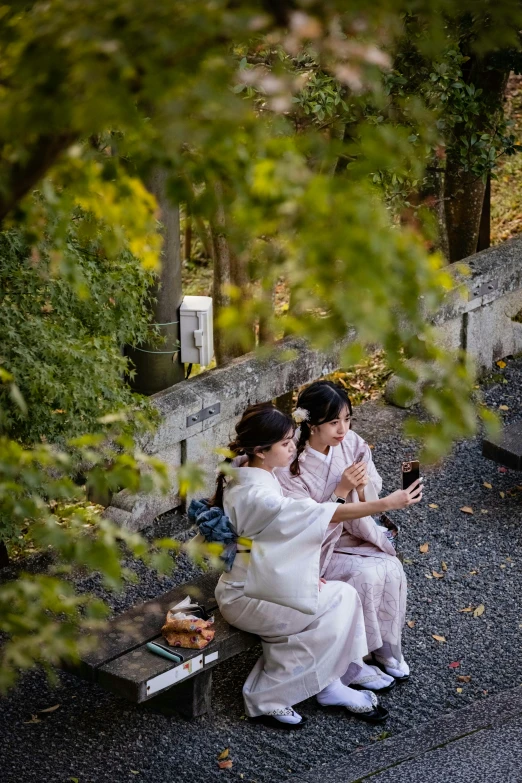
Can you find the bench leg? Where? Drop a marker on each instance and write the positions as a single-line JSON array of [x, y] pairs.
[[190, 698]]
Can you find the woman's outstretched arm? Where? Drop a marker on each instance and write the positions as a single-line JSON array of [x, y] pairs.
[[401, 498]]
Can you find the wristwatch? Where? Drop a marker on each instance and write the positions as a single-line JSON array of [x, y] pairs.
[[340, 500]]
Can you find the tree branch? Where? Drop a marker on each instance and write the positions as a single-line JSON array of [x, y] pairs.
[[21, 178]]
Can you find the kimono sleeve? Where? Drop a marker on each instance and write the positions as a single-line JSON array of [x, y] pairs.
[[373, 475], [284, 563]]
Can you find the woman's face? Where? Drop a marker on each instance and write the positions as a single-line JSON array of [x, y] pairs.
[[331, 433], [280, 454]]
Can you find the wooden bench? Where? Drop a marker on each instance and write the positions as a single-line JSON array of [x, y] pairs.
[[122, 663], [508, 449]]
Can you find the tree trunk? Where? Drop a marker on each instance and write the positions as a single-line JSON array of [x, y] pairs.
[[228, 270], [4, 556], [464, 191], [463, 199], [484, 238], [159, 366], [187, 251]]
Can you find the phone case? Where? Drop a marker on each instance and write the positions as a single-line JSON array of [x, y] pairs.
[[410, 472], [158, 649]]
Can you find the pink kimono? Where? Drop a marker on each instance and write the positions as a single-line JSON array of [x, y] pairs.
[[357, 551]]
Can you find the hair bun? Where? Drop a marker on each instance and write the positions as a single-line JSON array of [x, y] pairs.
[[236, 447]]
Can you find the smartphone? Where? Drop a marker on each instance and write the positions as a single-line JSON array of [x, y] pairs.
[[410, 473]]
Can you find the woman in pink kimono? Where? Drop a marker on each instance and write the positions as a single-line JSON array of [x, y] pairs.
[[332, 463]]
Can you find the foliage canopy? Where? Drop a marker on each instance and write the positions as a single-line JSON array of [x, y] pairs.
[[93, 97]]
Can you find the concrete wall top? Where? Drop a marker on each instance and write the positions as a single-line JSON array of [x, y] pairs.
[[493, 273], [244, 381], [248, 379]]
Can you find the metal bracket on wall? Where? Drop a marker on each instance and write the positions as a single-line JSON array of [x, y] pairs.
[[486, 288], [205, 413]]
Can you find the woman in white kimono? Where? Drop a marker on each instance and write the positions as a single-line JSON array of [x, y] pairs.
[[332, 463], [312, 632]]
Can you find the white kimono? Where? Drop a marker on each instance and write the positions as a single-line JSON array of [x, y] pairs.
[[358, 551], [309, 636]]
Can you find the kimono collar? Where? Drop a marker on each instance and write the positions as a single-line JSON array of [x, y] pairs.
[[256, 476]]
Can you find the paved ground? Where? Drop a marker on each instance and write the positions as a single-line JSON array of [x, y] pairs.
[[95, 737]]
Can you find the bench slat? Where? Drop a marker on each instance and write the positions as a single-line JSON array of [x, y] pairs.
[[143, 622], [140, 675]]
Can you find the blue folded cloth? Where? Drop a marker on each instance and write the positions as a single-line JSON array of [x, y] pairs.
[[215, 526]]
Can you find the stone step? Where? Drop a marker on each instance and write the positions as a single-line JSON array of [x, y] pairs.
[[469, 745], [507, 449]]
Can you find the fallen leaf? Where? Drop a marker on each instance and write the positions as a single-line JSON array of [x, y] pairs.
[[224, 754], [479, 610], [484, 511], [487, 485], [459, 690], [135, 771], [74, 780], [503, 408], [501, 364], [467, 509], [503, 565], [444, 565], [428, 576], [473, 573], [464, 677], [437, 575], [225, 764], [382, 736], [467, 609], [438, 638], [432, 505], [454, 665], [424, 548], [50, 709], [407, 561], [502, 470], [34, 719], [485, 693], [502, 494], [411, 623]]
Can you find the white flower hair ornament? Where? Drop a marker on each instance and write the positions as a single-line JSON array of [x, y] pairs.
[[300, 415]]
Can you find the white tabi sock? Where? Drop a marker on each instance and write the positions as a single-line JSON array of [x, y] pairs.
[[286, 715], [338, 695], [392, 665], [371, 677]]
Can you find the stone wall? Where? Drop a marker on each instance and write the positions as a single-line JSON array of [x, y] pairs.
[[477, 317], [178, 439]]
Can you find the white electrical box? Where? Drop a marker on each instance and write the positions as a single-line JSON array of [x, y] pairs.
[[196, 330]]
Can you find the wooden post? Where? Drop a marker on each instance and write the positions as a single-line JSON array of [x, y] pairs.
[[190, 698]]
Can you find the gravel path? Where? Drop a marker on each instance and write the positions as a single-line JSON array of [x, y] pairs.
[[96, 737]]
